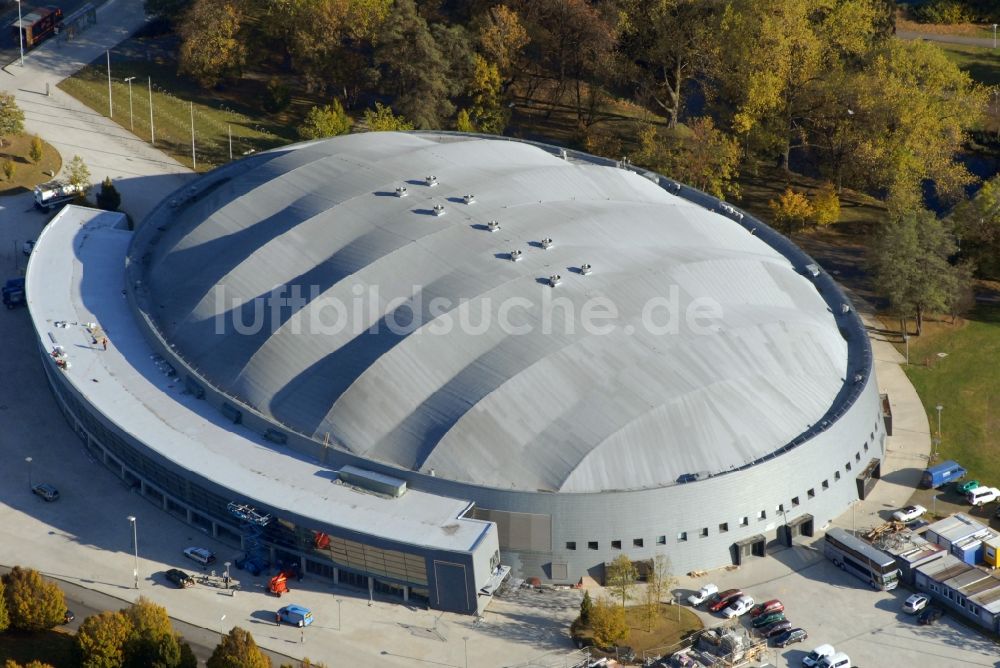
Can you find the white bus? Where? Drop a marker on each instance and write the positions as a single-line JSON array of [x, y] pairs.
[[853, 555]]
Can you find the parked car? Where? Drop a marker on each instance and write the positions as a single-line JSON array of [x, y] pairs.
[[723, 599], [838, 660], [774, 605], [930, 615], [179, 578], [199, 555], [980, 496], [776, 629], [46, 491], [68, 616], [915, 603], [812, 659], [702, 595], [909, 513], [766, 620], [964, 488], [790, 637], [296, 615], [738, 607]]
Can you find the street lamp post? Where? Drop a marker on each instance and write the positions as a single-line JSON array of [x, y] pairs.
[[111, 108], [131, 123], [338, 614], [994, 31], [152, 136], [906, 340], [135, 551], [28, 460], [465, 639], [939, 408], [226, 564], [20, 32]]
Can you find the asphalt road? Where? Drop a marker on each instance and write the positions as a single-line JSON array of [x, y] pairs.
[[85, 602], [9, 45]]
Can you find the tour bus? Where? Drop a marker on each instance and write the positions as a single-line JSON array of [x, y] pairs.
[[850, 553]]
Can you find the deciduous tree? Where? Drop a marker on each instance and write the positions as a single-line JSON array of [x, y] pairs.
[[212, 47], [78, 174], [503, 38], [35, 150], [11, 116], [4, 614], [977, 224], [33, 603], [666, 43], [620, 577], [238, 650], [698, 154], [791, 211], [487, 112], [151, 641], [100, 642], [608, 624], [825, 205], [327, 121], [381, 119]]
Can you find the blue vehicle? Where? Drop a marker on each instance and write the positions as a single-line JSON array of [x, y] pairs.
[[13, 293], [296, 615], [942, 474]]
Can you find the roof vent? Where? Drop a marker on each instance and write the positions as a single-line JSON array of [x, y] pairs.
[[585, 269], [813, 269], [858, 378], [431, 181], [845, 308], [554, 280], [515, 255], [563, 154], [493, 225], [547, 243], [439, 209], [470, 199], [401, 191]]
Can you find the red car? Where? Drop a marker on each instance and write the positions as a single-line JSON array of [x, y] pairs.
[[767, 607], [723, 599]]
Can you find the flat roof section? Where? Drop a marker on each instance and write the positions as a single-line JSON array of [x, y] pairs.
[[75, 276]]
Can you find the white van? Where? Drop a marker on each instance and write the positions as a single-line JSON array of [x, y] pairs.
[[838, 660], [812, 659], [980, 496]]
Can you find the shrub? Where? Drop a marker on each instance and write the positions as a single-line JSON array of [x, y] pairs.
[[278, 96], [9, 169], [35, 151], [825, 205]]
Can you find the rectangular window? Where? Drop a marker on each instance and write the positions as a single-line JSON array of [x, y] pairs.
[[847, 466], [857, 456], [826, 484], [592, 545], [762, 515], [811, 493], [636, 542], [571, 545], [661, 540], [682, 536], [724, 527], [704, 532], [836, 476], [866, 445], [795, 501], [616, 545], [745, 522], [780, 508]]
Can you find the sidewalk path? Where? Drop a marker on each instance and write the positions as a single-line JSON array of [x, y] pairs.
[[986, 42], [106, 148]]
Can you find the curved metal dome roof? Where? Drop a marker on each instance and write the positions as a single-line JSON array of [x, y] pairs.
[[302, 285]]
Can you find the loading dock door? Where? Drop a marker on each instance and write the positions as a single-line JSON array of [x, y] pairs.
[[866, 479], [754, 546], [800, 526]]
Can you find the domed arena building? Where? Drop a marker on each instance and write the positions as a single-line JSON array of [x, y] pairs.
[[421, 363]]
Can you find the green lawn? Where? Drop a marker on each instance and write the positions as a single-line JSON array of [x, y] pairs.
[[967, 383], [174, 101], [981, 63]]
